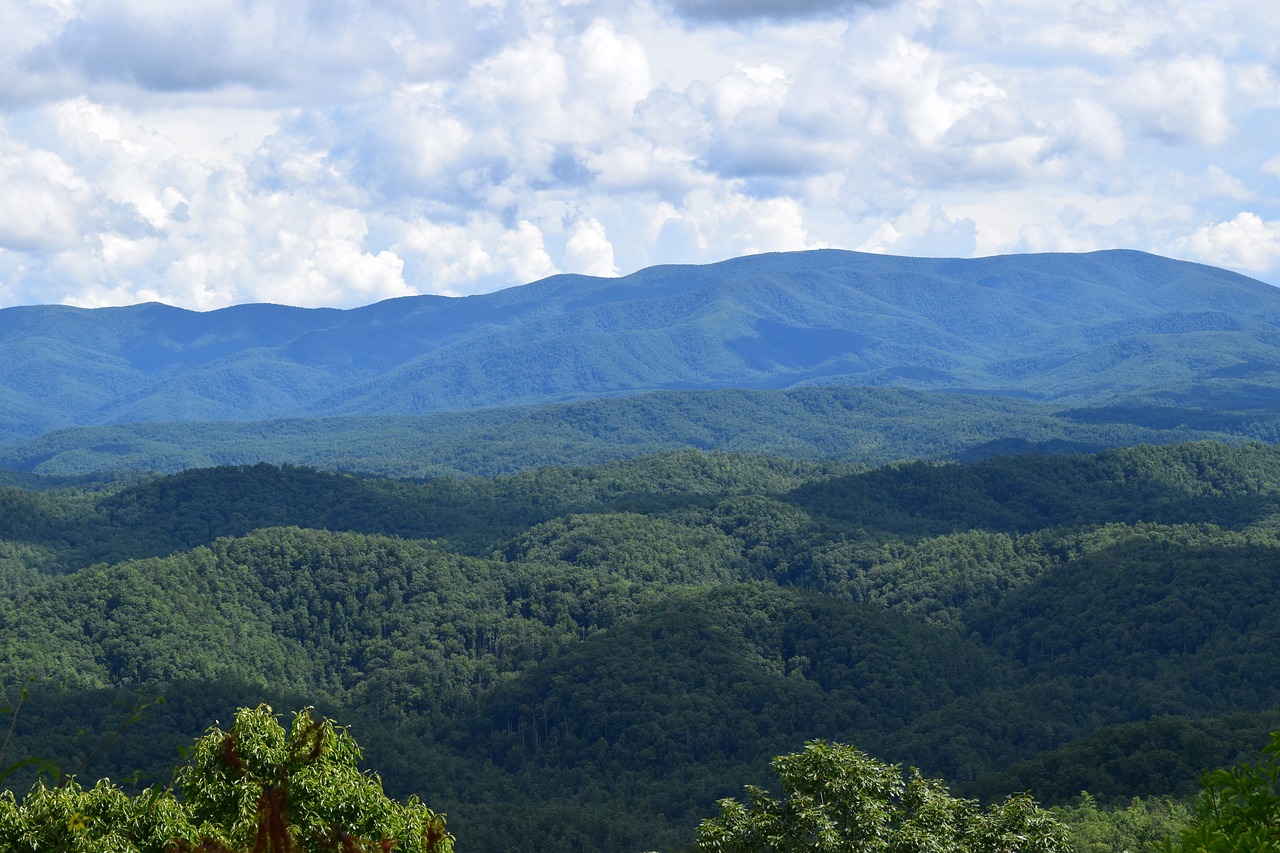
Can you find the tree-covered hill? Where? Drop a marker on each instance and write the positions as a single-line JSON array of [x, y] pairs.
[[1095, 327], [858, 425], [588, 657], [1160, 757], [1227, 486], [156, 516]]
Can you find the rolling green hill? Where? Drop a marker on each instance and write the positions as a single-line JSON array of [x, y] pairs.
[[575, 559], [588, 657]]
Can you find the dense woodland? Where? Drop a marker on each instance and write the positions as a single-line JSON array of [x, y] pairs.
[[855, 425], [588, 658]]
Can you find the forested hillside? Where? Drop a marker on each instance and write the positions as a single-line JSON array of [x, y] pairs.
[[1103, 328], [589, 657], [857, 425]]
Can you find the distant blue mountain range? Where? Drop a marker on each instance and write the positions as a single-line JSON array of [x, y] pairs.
[[1075, 329]]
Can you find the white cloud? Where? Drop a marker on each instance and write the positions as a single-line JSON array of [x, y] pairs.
[[921, 97], [923, 230], [611, 76], [41, 199], [1246, 242], [589, 250], [1106, 29], [1216, 182], [1090, 127], [448, 258], [640, 166], [338, 153], [522, 252], [527, 79], [748, 88], [726, 224], [1183, 99], [327, 263]]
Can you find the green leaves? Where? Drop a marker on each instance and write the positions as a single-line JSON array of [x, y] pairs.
[[1142, 824], [839, 800], [102, 819], [255, 778], [254, 787], [1238, 810]]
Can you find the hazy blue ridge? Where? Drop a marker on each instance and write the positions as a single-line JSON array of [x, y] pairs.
[[858, 425], [1064, 327]]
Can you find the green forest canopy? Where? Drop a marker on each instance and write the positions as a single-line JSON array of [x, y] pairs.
[[589, 658]]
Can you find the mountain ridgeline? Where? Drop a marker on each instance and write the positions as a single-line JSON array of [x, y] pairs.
[[589, 657], [576, 559], [1073, 329]]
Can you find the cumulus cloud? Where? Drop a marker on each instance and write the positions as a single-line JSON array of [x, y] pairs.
[[612, 75], [327, 263], [41, 199], [724, 224], [522, 252], [1183, 99], [178, 46], [1246, 242], [916, 98], [1217, 182], [589, 250], [315, 50], [924, 230], [341, 152], [1091, 129]]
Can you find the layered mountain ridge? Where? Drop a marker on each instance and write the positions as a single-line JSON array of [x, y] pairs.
[[1069, 328]]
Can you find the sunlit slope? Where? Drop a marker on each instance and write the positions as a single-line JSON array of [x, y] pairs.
[[1061, 327]]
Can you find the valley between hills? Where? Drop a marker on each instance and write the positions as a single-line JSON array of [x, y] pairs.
[[573, 561]]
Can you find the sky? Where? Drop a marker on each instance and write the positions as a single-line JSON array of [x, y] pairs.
[[339, 152]]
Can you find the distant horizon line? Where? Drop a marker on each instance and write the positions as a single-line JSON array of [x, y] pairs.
[[622, 276]]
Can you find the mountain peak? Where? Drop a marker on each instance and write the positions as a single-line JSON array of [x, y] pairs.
[[1072, 327]]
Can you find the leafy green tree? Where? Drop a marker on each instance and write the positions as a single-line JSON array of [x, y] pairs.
[[1140, 825], [253, 788], [840, 799], [1238, 810]]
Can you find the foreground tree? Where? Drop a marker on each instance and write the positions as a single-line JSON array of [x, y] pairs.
[[839, 799], [253, 788], [1238, 810], [1142, 824]]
